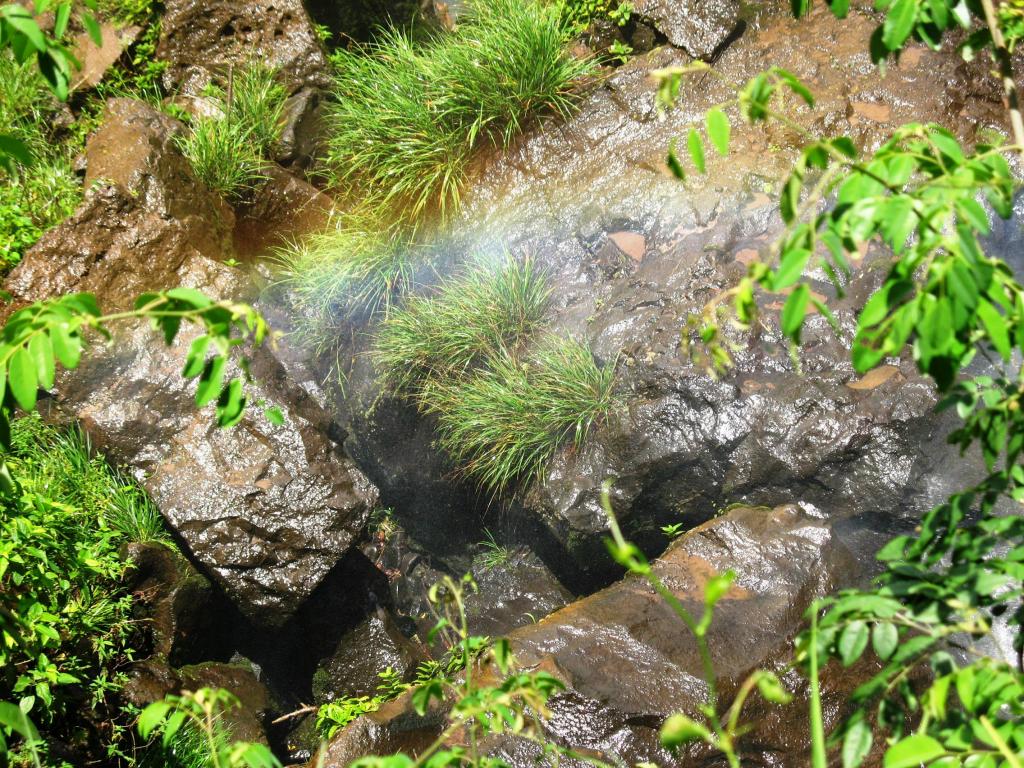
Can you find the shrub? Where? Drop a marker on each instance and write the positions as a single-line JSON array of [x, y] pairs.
[[408, 115], [257, 102], [68, 618], [469, 320], [503, 423]]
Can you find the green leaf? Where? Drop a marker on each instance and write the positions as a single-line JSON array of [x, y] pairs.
[[899, 23], [718, 130], [231, 404], [22, 376], [679, 730], [913, 751], [716, 588], [15, 149], [884, 639], [42, 353], [852, 642], [800, 7], [839, 8], [696, 147], [794, 310], [771, 689], [196, 357], [93, 28], [61, 17], [856, 743], [67, 346], [791, 267], [21, 20], [672, 160], [210, 381], [971, 212], [997, 329], [795, 84], [151, 717], [274, 415], [197, 299]]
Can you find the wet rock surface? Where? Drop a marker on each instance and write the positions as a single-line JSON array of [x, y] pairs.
[[204, 38], [267, 510], [698, 27], [628, 661], [631, 254]]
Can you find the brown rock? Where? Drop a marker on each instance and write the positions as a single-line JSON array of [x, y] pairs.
[[97, 59], [283, 209], [215, 35]]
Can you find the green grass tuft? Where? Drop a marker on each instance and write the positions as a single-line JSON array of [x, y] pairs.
[[347, 270], [505, 422], [471, 319], [227, 153], [408, 115]]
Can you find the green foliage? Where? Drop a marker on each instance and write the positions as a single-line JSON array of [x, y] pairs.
[[945, 302], [349, 269], [407, 115], [201, 712], [504, 423], [580, 14], [228, 151], [40, 193], [66, 620], [494, 555], [473, 318]]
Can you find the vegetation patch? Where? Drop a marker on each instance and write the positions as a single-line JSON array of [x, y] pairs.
[[33, 197], [66, 618], [481, 315], [227, 151], [503, 411], [409, 114]]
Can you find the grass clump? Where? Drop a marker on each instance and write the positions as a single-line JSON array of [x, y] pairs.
[[505, 422], [476, 317], [409, 114], [346, 270], [228, 151]]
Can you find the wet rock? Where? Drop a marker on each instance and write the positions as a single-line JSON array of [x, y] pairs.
[[359, 20], [97, 59], [302, 134], [629, 661], [245, 722], [268, 510], [215, 35], [699, 27], [373, 646], [145, 215], [283, 209]]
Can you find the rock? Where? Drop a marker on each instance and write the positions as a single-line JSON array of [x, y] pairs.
[[97, 59], [267, 510], [629, 661], [373, 646], [245, 722], [302, 135], [214, 35], [144, 216], [282, 209], [699, 27]]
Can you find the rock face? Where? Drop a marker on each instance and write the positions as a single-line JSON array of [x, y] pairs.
[[200, 38], [698, 27], [267, 510], [144, 216], [631, 254], [628, 661]]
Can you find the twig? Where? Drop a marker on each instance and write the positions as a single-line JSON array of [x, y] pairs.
[[1002, 56], [305, 709]]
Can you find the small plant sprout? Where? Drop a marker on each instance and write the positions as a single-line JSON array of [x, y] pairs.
[[673, 530], [494, 555]]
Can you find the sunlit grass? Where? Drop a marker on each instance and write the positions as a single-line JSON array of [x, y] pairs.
[[504, 423], [483, 313], [408, 115]]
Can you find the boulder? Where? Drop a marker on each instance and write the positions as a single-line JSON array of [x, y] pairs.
[[699, 27], [628, 660], [282, 209], [145, 215], [204, 38], [268, 510]]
